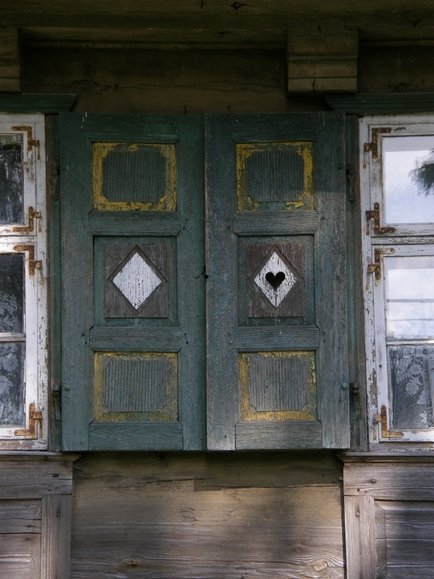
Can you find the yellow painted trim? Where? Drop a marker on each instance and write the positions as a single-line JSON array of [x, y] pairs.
[[249, 412], [168, 413], [245, 202], [167, 202]]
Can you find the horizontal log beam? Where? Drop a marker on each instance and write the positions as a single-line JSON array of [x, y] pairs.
[[9, 60], [322, 58]]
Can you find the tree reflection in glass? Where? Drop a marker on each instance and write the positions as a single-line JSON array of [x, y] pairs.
[[408, 179]]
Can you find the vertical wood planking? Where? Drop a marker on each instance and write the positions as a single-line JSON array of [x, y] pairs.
[[56, 533], [77, 284], [360, 537]]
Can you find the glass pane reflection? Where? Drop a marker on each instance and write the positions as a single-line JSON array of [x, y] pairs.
[[11, 179], [12, 383], [11, 292], [409, 297], [408, 179], [412, 383]]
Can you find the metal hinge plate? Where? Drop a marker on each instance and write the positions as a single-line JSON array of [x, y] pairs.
[[374, 215], [372, 147], [34, 264], [31, 142], [30, 227], [382, 420], [375, 267], [35, 424]]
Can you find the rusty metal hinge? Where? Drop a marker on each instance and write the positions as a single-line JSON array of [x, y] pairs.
[[374, 215], [30, 227], [35, 419], [31, 142], [372, 147], [375, 267], [382, 420], [33, 263]]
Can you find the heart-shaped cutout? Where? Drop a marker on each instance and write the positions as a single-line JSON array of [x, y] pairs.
[[275, 280]]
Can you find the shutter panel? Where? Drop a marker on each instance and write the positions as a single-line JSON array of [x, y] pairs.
[[276, 330], [132, 283]]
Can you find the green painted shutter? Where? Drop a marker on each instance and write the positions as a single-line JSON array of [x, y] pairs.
[[132, 282], [276, 328]]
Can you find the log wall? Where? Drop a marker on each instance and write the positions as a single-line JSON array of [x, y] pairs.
[[207, 515]]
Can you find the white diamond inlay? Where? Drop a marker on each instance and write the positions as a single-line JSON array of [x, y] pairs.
[[275, 280], [137, 280]]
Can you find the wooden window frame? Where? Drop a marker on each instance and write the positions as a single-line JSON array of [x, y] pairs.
[[30, 240], [381, 240]]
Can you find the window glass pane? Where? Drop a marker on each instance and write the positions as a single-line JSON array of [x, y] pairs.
[[11, 179], [408, 179], [11, 292], [411, 370], [409, 297], [12, 383]]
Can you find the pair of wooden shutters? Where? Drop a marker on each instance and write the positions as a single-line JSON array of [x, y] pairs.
[[203, 282]]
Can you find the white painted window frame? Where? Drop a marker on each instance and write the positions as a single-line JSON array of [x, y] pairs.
[[35, 319], [407, 240]]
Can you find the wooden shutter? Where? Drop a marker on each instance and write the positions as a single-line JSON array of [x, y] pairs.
[[276, 331], [132, 282]]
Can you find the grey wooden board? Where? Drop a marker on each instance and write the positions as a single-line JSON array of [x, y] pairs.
[[390, 481], [20, 556], [265, 515], [34, 477], [56, 537], [296, 434], [360, 537], [389, 515], [20, 516], [145, 436], [133, 339]]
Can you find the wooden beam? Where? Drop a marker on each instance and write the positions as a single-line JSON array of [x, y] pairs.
[[322, 58], [9, 60]]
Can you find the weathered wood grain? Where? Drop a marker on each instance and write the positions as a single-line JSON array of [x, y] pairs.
[[33, 477], [20, 517], [20, 555], [390, 481], [56, 534], [360, 537], [10, 66], [125, 524]]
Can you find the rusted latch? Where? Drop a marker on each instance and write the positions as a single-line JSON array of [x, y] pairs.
[[382, 420], [372, 147], [33, 263], [374, 215], [30, 227], [35, 418], [31, 142]]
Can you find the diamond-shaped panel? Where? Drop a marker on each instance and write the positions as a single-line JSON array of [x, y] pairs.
[[275, 280], [137, 280]]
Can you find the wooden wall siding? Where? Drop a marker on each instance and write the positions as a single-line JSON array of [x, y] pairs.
[[389, 518], [10, 67], [173, 515], [35, 516], [165, 82], [322, 60]]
